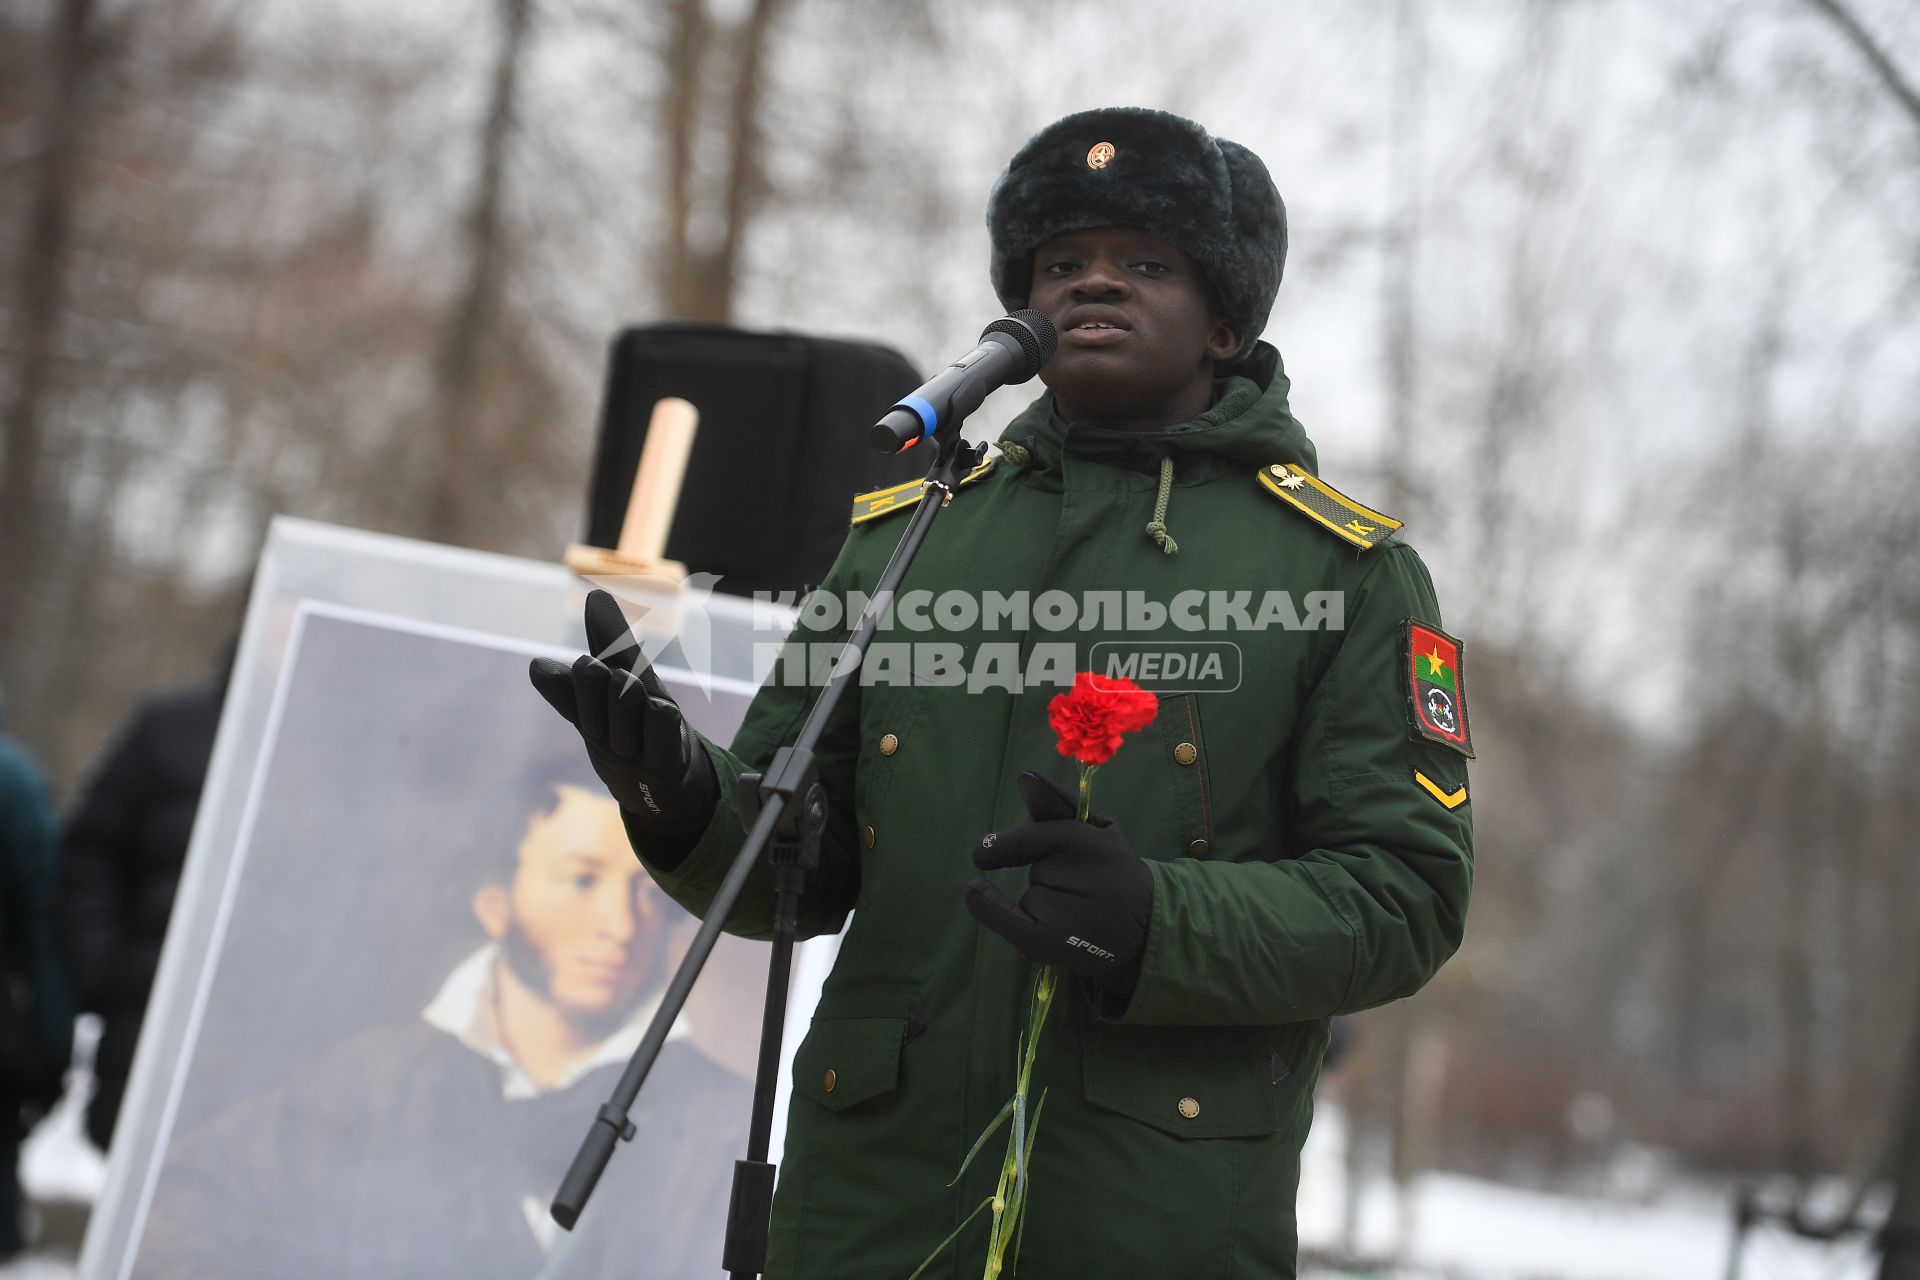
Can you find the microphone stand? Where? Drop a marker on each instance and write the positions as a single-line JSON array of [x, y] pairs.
[[786, 807]]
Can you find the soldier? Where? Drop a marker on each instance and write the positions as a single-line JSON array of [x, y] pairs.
[[1288, 841]]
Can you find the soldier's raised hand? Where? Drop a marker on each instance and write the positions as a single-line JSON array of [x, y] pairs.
[[637, 740]]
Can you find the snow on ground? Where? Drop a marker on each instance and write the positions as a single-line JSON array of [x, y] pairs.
[[58, 1163], [62, 1172], [59, 1168], [39, 1266], [1471, 1229], [1462, 1228]]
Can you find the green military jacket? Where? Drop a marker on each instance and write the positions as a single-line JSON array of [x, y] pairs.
[[1309, 840]]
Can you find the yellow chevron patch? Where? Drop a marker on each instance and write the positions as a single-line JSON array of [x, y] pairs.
[[1448, 799], [884, 502], [1326, 506]]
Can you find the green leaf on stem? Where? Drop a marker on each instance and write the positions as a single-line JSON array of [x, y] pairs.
[[1019, 1138], [1020, 1228], [981, 1141], [941, 1247]]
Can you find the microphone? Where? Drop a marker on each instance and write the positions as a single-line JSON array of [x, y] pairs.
[[1011, 350]]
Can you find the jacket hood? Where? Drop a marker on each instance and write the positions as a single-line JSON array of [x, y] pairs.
[[1249, 426]]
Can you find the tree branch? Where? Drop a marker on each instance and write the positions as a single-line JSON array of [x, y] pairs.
[[1877, 57]]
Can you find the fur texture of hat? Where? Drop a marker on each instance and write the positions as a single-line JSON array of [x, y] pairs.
[[1157, 171]]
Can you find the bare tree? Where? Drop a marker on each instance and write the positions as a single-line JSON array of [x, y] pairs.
[[456, 505], [1901, 1256], [715, 76], [29, 503], [1890, 75]]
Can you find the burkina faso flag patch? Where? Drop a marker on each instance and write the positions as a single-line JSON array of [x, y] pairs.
[[1436, 687]]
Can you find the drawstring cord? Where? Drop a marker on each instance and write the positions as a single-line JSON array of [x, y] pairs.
[[1157, 530], [1019, 455]]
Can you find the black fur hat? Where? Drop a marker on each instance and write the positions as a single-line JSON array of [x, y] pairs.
[[1134, 167]]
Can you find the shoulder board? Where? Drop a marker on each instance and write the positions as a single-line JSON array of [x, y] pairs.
[[883, 502], [1325, 505]]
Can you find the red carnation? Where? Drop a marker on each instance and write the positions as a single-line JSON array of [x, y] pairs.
[[1097, 713]]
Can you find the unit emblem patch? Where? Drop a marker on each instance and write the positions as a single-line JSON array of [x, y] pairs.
[[1436, 687]]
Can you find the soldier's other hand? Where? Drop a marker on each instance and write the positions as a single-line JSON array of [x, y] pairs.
[[637, 740], [1089, 896]]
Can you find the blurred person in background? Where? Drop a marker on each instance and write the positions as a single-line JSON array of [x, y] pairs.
[[36, 1014], [125, 842], [434, 1148]]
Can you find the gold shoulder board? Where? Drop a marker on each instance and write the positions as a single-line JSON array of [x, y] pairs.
[[883, 502], [1325, 505]]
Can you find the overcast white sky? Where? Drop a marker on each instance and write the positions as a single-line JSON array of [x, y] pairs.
[[1614, 199]]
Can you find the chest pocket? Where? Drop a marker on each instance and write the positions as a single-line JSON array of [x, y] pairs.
[[844, 1062]]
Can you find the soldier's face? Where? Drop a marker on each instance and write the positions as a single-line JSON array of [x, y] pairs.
[[1139, 329], [584, 918]]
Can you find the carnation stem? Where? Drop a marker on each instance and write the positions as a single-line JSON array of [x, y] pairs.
[[1009, 1199], [1016, 1169]]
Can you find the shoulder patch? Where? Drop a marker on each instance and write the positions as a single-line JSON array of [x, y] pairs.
[[882, 502], [1326, 506], [1436, 686]]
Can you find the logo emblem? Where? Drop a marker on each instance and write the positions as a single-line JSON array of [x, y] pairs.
[[1100, 156]]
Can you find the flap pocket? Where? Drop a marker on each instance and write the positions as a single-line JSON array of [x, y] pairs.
[[846, 1061], [1193, 1082]]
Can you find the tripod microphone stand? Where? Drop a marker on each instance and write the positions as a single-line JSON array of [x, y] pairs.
[[785, 810]]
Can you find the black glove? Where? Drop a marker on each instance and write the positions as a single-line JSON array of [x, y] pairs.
[[1089, 896], [641, 746]]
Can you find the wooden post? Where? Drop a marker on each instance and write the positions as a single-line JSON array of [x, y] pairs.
[[650, 508]]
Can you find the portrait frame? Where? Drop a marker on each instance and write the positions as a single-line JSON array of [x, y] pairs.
[[470, 621]]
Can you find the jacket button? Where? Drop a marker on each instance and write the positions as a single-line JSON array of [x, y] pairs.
[[1199, 848], [1189, 1107], [869, 836], [833, 1080], [889, 744], [1186, 753]]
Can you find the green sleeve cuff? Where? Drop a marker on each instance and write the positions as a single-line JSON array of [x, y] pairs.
[[1137, 1007]]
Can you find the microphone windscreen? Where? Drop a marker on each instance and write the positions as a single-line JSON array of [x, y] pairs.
[[1035, 334]]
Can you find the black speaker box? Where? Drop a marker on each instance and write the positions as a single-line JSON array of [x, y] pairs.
[[780, 452]]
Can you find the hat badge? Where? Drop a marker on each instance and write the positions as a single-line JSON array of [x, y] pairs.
[[1100, 156]]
